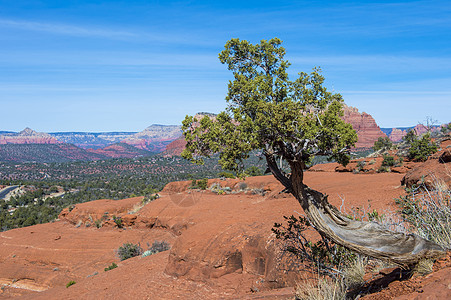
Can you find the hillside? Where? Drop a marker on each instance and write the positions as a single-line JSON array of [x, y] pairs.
[[121, 150], [45, 153]]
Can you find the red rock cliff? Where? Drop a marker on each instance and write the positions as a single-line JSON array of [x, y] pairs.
[[364, 124]]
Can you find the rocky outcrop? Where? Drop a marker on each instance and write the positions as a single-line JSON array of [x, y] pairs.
[[364, 124], [27, 136], [154, 138], [397, 134]]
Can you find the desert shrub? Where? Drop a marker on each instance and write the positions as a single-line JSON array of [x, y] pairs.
[[150, 198], [129, 250], [70, 283], [98, 223], [118, 221], [242, 186], [428, 211], [111, 267], [389, 161], [157, 246], [323, 255], [225, 174], [199, 184], [420, 149], [360, 165], [372, 162], [383, 169], [253, 171], [382, 143]]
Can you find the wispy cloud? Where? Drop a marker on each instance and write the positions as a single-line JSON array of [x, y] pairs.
[[64, 29]]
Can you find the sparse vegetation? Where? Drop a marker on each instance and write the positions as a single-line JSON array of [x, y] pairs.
[[111, 267], [118, 221], [129, 250], [428, 211], [388, 161], [70, 283], [382, 143], [199, 184], [157, 246]]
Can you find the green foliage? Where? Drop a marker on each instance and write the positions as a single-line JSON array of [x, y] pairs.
[[410, 137], [129, 250], [382, 143], [225, 174], [253, 171], [266, 111], [111, 267], [389, 161], [199, 184], [70, 283], [420, 149], [118, 221]]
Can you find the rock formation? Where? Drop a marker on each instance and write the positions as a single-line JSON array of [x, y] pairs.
[[27, 136], [154, 138], [364, 124]]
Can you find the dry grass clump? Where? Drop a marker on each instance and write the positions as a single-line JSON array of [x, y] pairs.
[[353, 273], [424, 267], [428, 211], [323, 289]]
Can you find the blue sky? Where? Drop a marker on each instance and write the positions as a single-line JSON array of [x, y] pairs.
[[124, 65]]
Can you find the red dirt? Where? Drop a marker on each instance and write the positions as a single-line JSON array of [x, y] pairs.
[[222, 245]]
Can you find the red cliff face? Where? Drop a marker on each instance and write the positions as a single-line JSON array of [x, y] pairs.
[[397, 134], [364, 124], [28, 136]]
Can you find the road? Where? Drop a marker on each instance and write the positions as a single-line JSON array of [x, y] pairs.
[[6, 190]]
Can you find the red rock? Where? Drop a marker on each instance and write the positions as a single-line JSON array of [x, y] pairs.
[[397, 134], [364, 124]]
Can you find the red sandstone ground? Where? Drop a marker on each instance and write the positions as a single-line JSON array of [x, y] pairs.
[[222, 246]]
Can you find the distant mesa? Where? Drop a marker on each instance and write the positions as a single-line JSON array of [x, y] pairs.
[[154, 138]]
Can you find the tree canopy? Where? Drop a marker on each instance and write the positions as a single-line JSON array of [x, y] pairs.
[[292, 120]]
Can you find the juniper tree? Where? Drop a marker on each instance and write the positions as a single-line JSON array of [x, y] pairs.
[[289, 121]]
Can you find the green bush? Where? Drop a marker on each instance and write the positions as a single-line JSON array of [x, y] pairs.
[[118, 221], [253, 171], [129, 250], [199, 184], [111, 267], [422, 148], [70, 283], [382, 143], [389, 161], [225, 174]]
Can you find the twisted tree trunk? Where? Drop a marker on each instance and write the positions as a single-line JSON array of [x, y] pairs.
[[367, 238]]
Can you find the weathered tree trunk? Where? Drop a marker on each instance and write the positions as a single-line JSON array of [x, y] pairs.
[[367, 238]]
